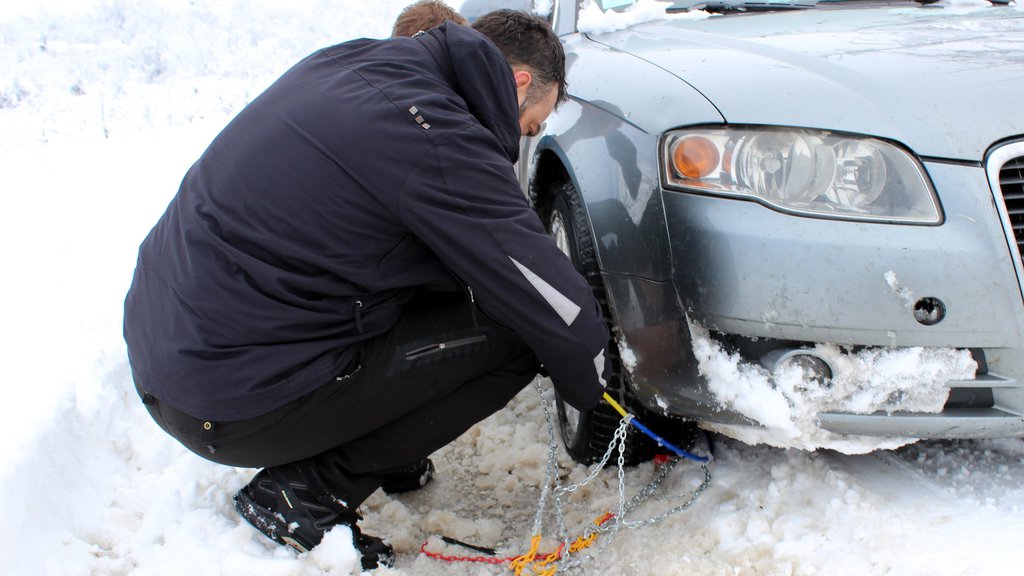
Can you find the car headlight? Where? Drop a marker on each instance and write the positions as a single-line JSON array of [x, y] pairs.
[[809, 172]]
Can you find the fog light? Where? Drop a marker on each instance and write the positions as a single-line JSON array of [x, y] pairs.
[[816, 370]]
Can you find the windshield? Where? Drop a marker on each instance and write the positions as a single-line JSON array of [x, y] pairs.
[[603, 16]]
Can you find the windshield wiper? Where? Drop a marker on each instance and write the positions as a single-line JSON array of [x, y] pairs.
[[726, 7]]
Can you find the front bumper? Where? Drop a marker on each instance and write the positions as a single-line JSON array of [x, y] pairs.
[[764, 280]]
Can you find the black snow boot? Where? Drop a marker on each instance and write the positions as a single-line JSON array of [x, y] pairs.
[[291, 506], [412, 478]]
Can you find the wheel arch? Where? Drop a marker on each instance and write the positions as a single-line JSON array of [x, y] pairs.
[[626, 221], [637, 289], [550, 172]]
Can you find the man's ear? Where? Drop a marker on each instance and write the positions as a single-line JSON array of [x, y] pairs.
[[523, 79]]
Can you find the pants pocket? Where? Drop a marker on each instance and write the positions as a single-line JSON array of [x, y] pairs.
[[439, 349]]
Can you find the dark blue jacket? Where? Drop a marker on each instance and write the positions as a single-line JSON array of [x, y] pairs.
[[368, 170]]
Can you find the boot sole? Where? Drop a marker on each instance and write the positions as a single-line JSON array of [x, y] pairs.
[[267, 522], [274, 526]]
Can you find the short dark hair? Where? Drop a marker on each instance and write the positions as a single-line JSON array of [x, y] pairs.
[[424, 15], [527, 41]]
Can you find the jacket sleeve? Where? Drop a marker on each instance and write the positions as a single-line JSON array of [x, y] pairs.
[[464, 202]]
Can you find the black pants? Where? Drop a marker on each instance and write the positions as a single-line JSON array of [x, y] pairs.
[[441, 369]]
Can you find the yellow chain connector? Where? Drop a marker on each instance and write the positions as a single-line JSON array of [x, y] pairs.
[[547, 567], [519, 563], [582, 543]]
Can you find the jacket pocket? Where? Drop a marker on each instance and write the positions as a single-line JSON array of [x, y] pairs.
[[440, 347], [439, 350]]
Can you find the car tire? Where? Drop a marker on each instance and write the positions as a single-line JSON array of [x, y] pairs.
[[586, 435]]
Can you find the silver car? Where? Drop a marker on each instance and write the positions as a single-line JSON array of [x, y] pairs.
[[801, 183]]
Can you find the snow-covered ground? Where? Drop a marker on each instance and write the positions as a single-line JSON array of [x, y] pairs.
[[103, 106]]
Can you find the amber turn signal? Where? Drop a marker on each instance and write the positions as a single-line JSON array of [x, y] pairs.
[[694, 157]]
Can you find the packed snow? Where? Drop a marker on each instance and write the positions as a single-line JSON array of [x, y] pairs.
[[104, 104], [787, 403]]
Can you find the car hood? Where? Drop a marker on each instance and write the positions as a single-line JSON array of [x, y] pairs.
[[945, 84]]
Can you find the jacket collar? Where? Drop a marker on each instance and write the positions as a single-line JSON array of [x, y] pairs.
[[482, 76]]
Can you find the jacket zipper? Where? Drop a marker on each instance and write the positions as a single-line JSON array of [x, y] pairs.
[[359, 315], [441, 346], [472, 306]]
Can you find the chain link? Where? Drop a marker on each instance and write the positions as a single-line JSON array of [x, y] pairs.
[[572, 557], [570, 561]]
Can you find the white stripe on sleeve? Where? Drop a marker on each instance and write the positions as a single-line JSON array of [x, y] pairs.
[[566, 308], [599, 365]]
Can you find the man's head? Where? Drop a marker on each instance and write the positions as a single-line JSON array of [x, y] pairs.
[[537, 59], [424, 15]]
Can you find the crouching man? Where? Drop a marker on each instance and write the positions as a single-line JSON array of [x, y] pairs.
[[349, 277]]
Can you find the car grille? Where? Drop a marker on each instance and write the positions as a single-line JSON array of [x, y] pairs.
[[1005, 169], [1011, 184]]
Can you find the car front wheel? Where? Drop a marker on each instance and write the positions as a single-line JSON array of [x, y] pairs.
[[587, 434]]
